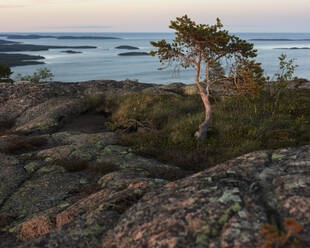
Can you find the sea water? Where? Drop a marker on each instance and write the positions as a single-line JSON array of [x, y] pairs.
[[104, 62]]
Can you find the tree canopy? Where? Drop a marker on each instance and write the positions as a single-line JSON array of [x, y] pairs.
[[206, 47], [5, 72]]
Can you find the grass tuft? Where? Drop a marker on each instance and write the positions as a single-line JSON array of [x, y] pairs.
[[92, 102]]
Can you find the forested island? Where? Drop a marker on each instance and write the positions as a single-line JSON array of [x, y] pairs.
[[134, 54], [24, 59], [126, 47], [11, 59], [292, 48], [29, 47]]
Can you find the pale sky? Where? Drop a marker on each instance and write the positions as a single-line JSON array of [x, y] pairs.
[[151, 16]]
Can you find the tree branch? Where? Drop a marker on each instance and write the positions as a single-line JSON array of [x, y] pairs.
[[183, 57]]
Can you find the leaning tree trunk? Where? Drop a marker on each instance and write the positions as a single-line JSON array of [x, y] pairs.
[[204, 126]]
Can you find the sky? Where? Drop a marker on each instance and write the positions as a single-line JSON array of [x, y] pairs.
[[151, 16]]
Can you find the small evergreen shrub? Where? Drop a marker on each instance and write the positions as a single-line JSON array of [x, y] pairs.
[[5, 73], [42, 74], [76, 164]]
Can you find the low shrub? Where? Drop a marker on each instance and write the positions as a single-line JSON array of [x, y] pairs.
[[103, 167], [163, 126], [273, 237], [5, 73], [41, 74], [5, 220], [72, 164], [76, 164], [5, 125]]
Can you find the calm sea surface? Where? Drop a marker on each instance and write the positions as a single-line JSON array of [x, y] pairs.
[[104, 62]]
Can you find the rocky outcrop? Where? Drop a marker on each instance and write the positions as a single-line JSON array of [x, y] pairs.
[[45, 107], [225, 206], [65, 187], [40, 193]]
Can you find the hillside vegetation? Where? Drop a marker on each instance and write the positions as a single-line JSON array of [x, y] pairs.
[[163, 126]]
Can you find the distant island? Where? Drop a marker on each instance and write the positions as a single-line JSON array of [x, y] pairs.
[[10, 59], [29, 47], [279, 39], [7, 42], [133, 54], [29, 36], [35, 36], [71, 52], [127, 47], [24, 59], [85, 38], [291, 48]]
